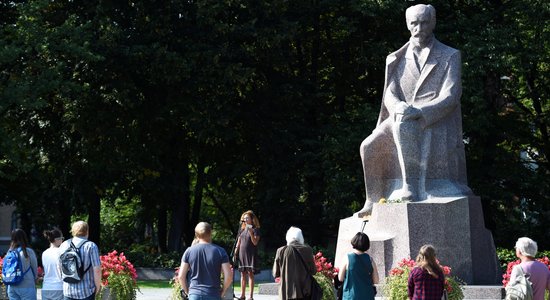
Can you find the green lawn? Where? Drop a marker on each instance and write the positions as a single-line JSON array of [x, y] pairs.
[[153, 284]]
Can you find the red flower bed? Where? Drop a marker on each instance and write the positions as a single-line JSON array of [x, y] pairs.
[[114, 263]]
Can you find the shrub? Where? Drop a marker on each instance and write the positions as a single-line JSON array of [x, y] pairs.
[[119, 274], [145, 259], [396, 284]]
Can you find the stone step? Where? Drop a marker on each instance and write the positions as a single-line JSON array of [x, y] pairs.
[[471, 292]]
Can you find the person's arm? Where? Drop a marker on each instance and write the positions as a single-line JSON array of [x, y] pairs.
[[392, 99], [276, 271], [514, 273], [182, 277], [33, 263], [375, 278], [449, 93], [410, 284], [254, 236], [310, 262], [343, 269], [227, 279], [96, 264], [97, 278], [237, 245]]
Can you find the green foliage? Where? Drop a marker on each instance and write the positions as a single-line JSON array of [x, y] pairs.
[[175, 288], [146, 259], [194, 111], [505, 256], [117, 217], [326, 286], [455, 285], [121, 286], [396, 286]]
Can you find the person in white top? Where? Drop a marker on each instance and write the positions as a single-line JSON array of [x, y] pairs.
[[52, 287]]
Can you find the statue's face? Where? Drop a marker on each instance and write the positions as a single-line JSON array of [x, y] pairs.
[[421, 26]]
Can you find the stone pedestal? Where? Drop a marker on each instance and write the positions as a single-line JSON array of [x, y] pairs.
[[454, 226]]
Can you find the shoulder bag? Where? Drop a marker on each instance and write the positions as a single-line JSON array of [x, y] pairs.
[[316, 290]]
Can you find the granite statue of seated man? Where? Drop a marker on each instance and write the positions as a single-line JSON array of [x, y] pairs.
[[416, 151]]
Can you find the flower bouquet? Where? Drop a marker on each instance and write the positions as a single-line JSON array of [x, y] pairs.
[[325, 275], [397, 283], [506, 276], [118, 276]]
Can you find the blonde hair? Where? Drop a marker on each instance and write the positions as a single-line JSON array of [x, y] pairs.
[[203, 230], [251, 215], [79, 228], [426, 260]]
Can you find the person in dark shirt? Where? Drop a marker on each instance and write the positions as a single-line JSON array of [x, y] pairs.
[[426, 280], [204, 262], [247, 249], [295, 266]]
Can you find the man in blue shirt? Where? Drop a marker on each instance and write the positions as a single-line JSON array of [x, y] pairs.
[[202, 265]]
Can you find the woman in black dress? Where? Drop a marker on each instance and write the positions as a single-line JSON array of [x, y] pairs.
[[247, 250]]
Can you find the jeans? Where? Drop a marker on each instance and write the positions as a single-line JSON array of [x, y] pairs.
[[203, 297], [21, 293], [52, 294], [92, 297]]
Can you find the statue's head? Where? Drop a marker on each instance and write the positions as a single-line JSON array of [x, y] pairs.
[[421, 23]]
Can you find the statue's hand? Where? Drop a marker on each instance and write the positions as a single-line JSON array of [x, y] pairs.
[[412, 113], [401, 108]]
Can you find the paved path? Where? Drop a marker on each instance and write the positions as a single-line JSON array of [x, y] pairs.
[[164, 294]]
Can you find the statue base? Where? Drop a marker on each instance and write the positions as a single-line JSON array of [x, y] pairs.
[[455, 226]]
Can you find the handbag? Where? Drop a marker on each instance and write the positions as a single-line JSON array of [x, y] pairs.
[[183, 295], [316, 290], [339, 288]]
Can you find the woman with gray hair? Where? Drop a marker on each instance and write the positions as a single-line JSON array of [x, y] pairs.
[[293, 264], [539, 275]]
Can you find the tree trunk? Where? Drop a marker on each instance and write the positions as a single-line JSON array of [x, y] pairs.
[[181, 203], [197, 201], [162, 224], [94, 221], [65, 216]]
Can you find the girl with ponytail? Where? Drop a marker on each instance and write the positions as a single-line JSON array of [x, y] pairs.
[[52, 287]]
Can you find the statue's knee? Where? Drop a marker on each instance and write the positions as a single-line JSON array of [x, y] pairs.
[[364, 149]]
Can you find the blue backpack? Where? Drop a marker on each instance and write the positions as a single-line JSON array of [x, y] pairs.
[[12, 269]]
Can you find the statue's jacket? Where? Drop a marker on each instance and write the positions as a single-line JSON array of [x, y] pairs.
[[436, 92]]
